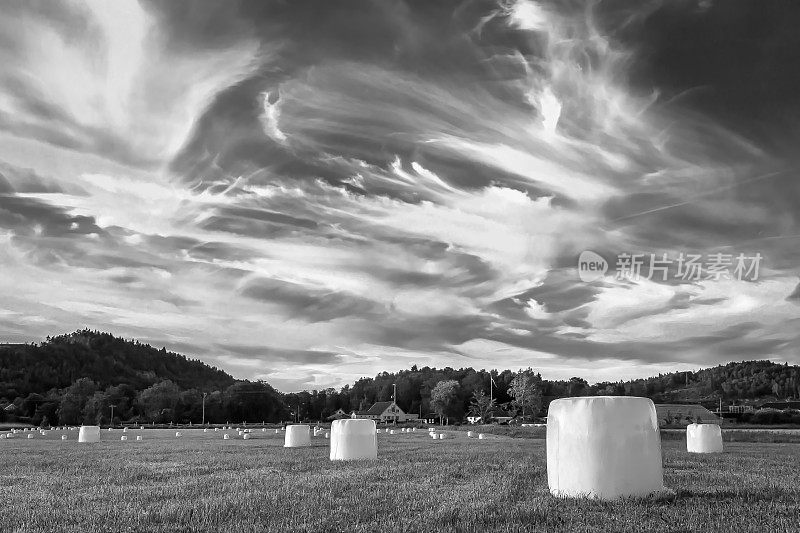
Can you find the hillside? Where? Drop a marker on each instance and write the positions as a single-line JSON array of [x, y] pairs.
[[103, 358], [745, 382]]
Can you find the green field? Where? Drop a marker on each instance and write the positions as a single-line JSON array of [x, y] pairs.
[[203, 483]]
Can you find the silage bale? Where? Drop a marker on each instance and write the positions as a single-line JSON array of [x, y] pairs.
[[89, 434], [226, 436], [297, 435], [138, 437], [63, 437], [123, 438], [480, 436], [603, 447], [178, 434], [470, 434], [246, 436], [353, 438], [703, 438]]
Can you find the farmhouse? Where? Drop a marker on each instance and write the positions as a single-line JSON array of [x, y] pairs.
[[385, 412], [678, 413]]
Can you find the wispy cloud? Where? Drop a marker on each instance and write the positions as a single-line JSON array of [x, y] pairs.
[[310, 193]]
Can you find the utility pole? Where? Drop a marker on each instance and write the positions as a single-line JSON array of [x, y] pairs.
[[112, 414], [394, 392], [204, 408]]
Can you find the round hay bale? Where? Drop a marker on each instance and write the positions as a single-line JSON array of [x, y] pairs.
[[123, 438], [205, 430], [277, 431], [703, 438], [30, 435], [480, 436], [226, 436], [89, 434], [124, 430], [353, 438], [178, 434], [297, 435], [470, 434], [63, 437], [138, 437], [603, 447], [392, 432], [441, 436], [246, 436]]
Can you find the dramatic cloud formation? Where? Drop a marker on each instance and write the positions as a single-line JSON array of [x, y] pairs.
[[309, 192]]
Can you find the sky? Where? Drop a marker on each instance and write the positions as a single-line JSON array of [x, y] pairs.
[[309, 192]]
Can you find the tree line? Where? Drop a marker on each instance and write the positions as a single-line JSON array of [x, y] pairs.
[[83, 376]]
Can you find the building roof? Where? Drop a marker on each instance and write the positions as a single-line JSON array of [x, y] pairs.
[[377, 408], [688, 410], [787, 404]]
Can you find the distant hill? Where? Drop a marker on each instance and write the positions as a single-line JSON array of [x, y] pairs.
[[103, 358], [741, 382]]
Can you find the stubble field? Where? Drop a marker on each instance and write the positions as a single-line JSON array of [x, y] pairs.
[[200, 482]]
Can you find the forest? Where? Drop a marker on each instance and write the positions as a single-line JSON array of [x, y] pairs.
[[85, 376]]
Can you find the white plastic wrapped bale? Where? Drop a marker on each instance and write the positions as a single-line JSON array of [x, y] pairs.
[[138, 437], [205, 430], [442, 436], [392, 432], [123, 438], [327, 434], [226, 436], [277, 431], [470, 434], [30, 435], [89, 434], [297, 435], [353, 438], [480, 436], [246, 436], [603, 447], [178, 434], [124, 430], [703, 438], [63, 437]]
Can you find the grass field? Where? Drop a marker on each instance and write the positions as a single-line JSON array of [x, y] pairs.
[[203, 483]]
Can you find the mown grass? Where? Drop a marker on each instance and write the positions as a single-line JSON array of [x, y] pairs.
[[203, 483]]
